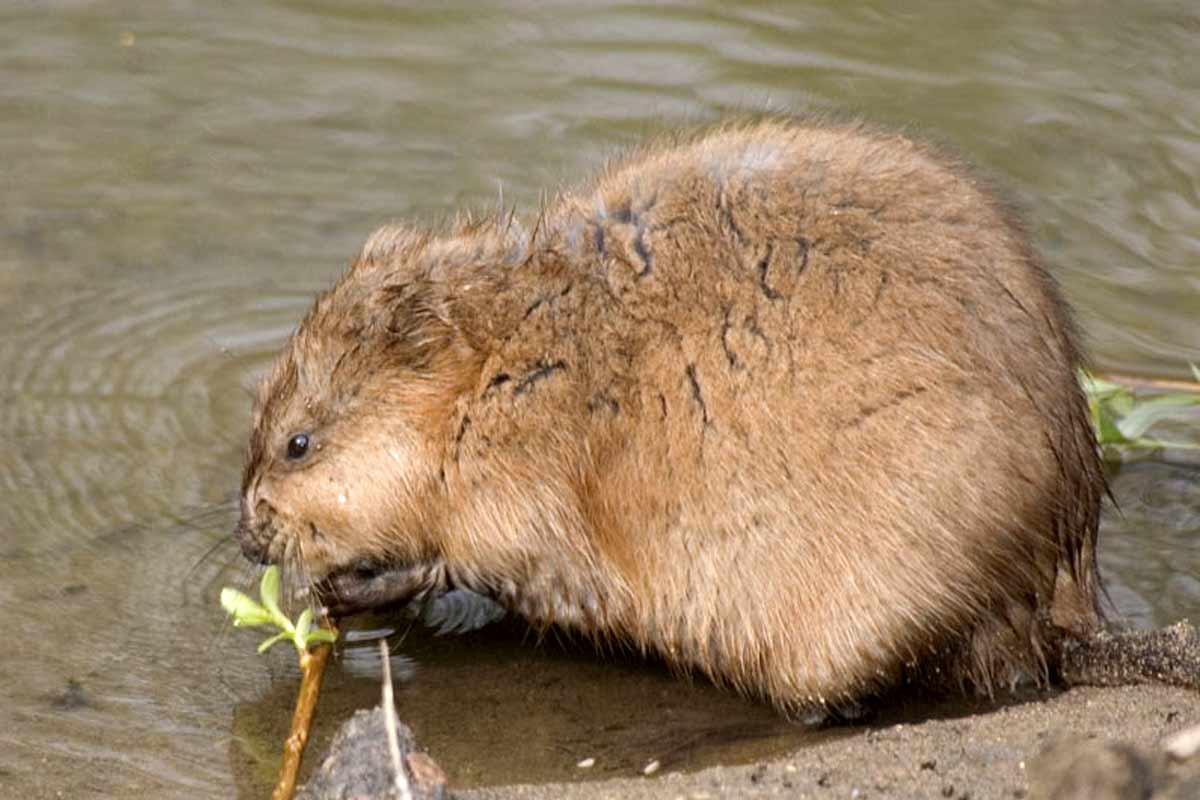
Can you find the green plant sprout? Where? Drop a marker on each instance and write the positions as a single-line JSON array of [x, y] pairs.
[[248, 613], [1121, 418]]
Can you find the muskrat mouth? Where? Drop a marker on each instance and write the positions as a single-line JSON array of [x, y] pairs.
[[366, 585]]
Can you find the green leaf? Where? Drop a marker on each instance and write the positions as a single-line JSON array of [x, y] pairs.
[[268, 590], [1121, 403], [268, 587], [279, 637], [1106, 425], [243, 609], [303, 623], [321, 635], [1097, 387], [1148, 412], [246, 611]]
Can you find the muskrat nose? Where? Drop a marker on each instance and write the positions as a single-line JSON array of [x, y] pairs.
[[251, 534], [253, 548]]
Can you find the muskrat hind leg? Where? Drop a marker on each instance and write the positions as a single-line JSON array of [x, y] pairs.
[[458, 611]]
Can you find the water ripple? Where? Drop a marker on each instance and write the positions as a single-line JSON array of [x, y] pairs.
[[121, 398]]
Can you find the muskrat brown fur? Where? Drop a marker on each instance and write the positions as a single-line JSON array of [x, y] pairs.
[[791, 404]]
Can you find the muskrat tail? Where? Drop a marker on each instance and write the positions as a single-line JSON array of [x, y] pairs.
[[1077, 608], [1025, 634]]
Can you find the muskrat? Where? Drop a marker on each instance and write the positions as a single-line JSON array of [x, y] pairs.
[[792, 404]]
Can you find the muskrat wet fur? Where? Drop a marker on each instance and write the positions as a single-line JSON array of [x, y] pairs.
[[789, 403]]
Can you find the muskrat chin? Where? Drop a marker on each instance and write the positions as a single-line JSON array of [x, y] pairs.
[[365, 585]]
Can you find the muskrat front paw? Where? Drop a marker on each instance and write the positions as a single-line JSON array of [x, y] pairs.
[[371, 585]]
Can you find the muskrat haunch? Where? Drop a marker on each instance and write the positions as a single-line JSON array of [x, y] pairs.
[[792, 404]]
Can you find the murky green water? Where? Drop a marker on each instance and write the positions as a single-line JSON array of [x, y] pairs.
[[177, 178]]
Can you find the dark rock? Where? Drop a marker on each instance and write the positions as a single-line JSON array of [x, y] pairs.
[[73, 697], [1077, 768], [359, 764]]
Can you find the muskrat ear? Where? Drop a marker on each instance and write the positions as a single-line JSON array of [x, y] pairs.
[[417, 327], [477, 278], [431, 293]]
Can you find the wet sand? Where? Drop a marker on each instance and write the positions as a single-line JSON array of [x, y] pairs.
[[989, 754], [1090, 742]]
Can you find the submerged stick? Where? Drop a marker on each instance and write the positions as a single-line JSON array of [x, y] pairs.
[[390, 722]]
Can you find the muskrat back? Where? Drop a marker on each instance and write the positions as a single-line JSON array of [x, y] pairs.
[[791, 404]]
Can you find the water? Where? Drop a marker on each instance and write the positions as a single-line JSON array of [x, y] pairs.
[[176, 179]]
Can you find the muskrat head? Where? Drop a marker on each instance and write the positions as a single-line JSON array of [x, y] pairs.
[[341, 481]]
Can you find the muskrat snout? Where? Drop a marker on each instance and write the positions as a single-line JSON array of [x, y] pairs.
[[254, 533], [253, 549]]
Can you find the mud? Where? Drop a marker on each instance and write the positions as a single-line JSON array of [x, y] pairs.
[[1095, 742]]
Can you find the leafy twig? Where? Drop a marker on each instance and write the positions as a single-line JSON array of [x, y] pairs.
[[1121, 417], [312, 648], [247, 612]]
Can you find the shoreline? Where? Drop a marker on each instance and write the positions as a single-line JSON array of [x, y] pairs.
[[989, 754]]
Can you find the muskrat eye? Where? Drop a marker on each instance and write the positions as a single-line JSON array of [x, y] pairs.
[[298, 446]]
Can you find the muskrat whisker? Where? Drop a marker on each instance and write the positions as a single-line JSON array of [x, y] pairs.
[[299, 587], [311, 597], [302, 576], [201, 518], [401, 635], [246, 580], [289, 563], [228, 539]]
